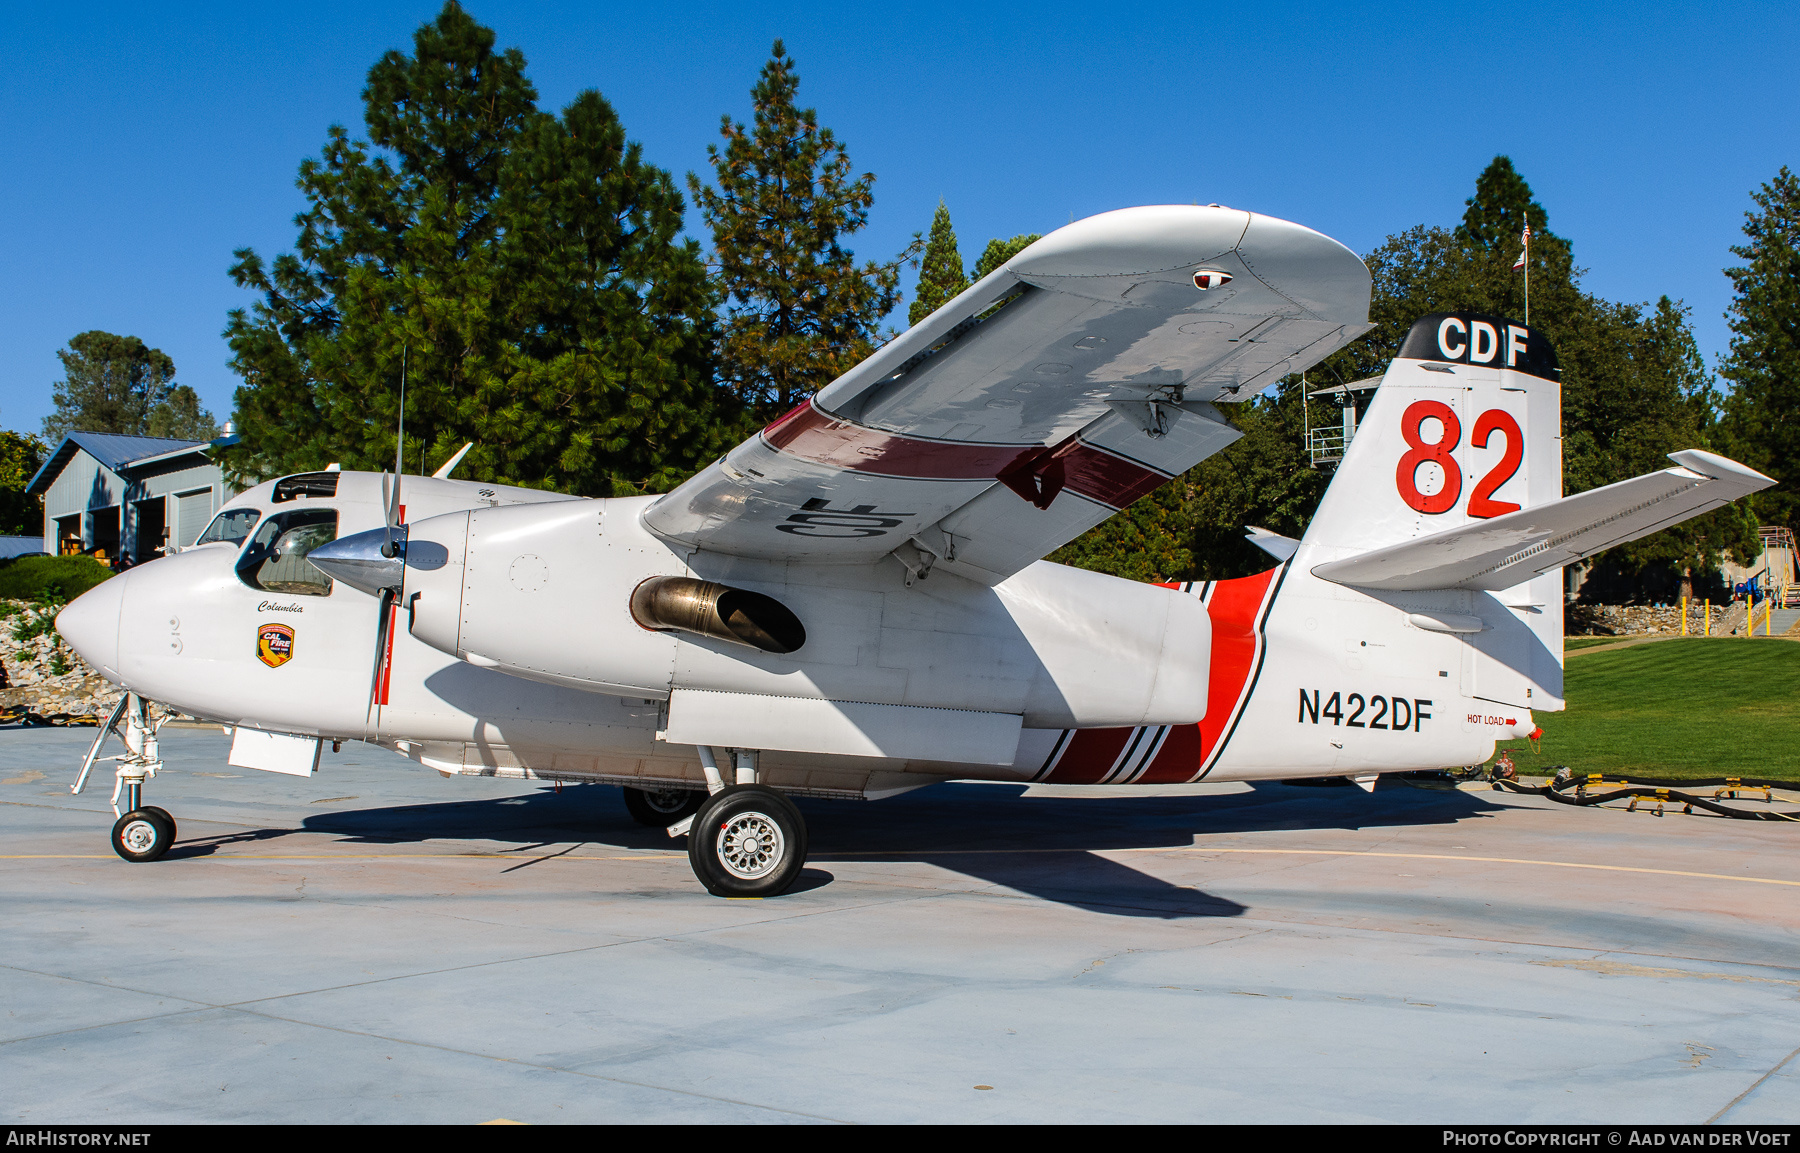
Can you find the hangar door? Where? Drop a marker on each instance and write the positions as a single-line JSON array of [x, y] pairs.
[[192, 511]]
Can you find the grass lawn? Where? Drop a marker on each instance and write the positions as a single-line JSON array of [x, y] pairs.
[[1727, 707], [1570, 644]]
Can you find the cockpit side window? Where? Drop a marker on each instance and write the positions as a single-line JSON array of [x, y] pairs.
[[234, 524], [275, 559], [306, 484]]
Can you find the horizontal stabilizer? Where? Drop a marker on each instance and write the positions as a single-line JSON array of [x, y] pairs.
[[1504, 551], [1278, 546]]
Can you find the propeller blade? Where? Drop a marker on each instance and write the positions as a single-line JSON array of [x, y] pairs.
[[385, 603]]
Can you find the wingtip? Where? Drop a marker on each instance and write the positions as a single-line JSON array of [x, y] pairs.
[[1716, 467]]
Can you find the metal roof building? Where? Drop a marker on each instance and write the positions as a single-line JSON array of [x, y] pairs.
[[109, 494]]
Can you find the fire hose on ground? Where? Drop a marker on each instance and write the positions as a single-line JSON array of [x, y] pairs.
[[1568, 789]]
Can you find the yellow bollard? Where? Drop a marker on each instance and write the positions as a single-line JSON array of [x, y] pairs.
[[1706, 617], [1684, 631]]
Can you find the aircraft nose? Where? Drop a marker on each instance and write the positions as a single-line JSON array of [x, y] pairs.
[[90, 623]]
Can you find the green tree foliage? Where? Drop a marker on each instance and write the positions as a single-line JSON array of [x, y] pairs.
[[1502, 206], [1764, 363], [120, 384], [998, 252], [523, 270], [941, 271], [1633, 389], [800, 311], [1193, 527], [21, 455], [180, 417]]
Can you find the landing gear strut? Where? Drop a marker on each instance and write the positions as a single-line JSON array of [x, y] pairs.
[[746, 839], [142, 832]]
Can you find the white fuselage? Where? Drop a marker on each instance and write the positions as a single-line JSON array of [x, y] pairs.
[[515, 654]]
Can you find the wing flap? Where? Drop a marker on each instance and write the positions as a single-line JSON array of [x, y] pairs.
[[1504, 551]]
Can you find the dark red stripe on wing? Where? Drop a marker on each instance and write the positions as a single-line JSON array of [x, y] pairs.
[[1037, 473], [812, 435]]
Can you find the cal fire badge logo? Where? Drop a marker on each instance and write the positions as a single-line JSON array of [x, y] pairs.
[[274, 645]]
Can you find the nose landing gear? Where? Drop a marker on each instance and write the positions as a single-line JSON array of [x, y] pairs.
[[142, 832]]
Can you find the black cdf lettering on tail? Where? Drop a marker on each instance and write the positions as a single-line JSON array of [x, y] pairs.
[[1480, 340]]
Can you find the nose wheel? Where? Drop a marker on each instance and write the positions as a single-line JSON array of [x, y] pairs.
[[747, 841], [143, 834]]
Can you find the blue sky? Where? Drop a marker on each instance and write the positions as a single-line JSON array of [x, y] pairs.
[[147, 142]]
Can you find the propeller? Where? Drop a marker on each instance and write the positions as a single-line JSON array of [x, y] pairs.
[[383, 612], [390, 505]]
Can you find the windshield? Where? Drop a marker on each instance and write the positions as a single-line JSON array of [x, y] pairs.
[[234, 524], [275, 559]]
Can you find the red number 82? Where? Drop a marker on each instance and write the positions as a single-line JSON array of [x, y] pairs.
[[1481, 502]]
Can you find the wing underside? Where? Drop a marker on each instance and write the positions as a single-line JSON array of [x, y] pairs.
[[1059, 389]]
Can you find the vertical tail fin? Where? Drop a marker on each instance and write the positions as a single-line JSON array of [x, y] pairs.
[[1465, 426]]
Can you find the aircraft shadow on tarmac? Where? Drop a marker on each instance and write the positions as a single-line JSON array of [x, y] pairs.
[[1046, 846]]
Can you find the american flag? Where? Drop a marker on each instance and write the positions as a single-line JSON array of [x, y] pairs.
[[1526, 241]]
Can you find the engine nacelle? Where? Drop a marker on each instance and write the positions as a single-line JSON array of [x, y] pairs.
[[580, 594]]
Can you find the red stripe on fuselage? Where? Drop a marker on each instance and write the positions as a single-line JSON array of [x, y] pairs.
[[815, 436], [1236, 608], [1089, 756]]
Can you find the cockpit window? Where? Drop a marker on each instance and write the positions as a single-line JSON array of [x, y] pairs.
[[234, 524], [275, 559], [306, 484]]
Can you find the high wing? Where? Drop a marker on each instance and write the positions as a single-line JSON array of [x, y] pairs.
[[1068, 383], [1508, 550]]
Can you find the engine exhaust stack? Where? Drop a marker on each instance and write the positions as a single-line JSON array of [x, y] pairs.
[[708, 609]]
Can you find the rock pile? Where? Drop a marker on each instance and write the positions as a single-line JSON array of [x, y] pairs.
[[41, 674], [1724, 620]]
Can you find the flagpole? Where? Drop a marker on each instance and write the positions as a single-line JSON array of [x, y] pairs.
[[1528, 276]]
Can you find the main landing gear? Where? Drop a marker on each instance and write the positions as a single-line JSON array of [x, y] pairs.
[[746, 839], [660, 808], [142, 832]]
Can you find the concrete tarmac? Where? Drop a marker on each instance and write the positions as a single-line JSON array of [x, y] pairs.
[[378, 944]]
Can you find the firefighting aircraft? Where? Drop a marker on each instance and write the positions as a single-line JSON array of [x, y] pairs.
[[851, 603]]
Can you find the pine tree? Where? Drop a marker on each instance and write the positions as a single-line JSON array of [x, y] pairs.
[[998, 252], [110, 384], [1501, 208], [1764, 363], [522, 270], [941, 272], [800, 312]]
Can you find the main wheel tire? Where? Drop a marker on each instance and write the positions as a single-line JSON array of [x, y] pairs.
[[660, 808], [143, 834], [747, 841], [164, 814]]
